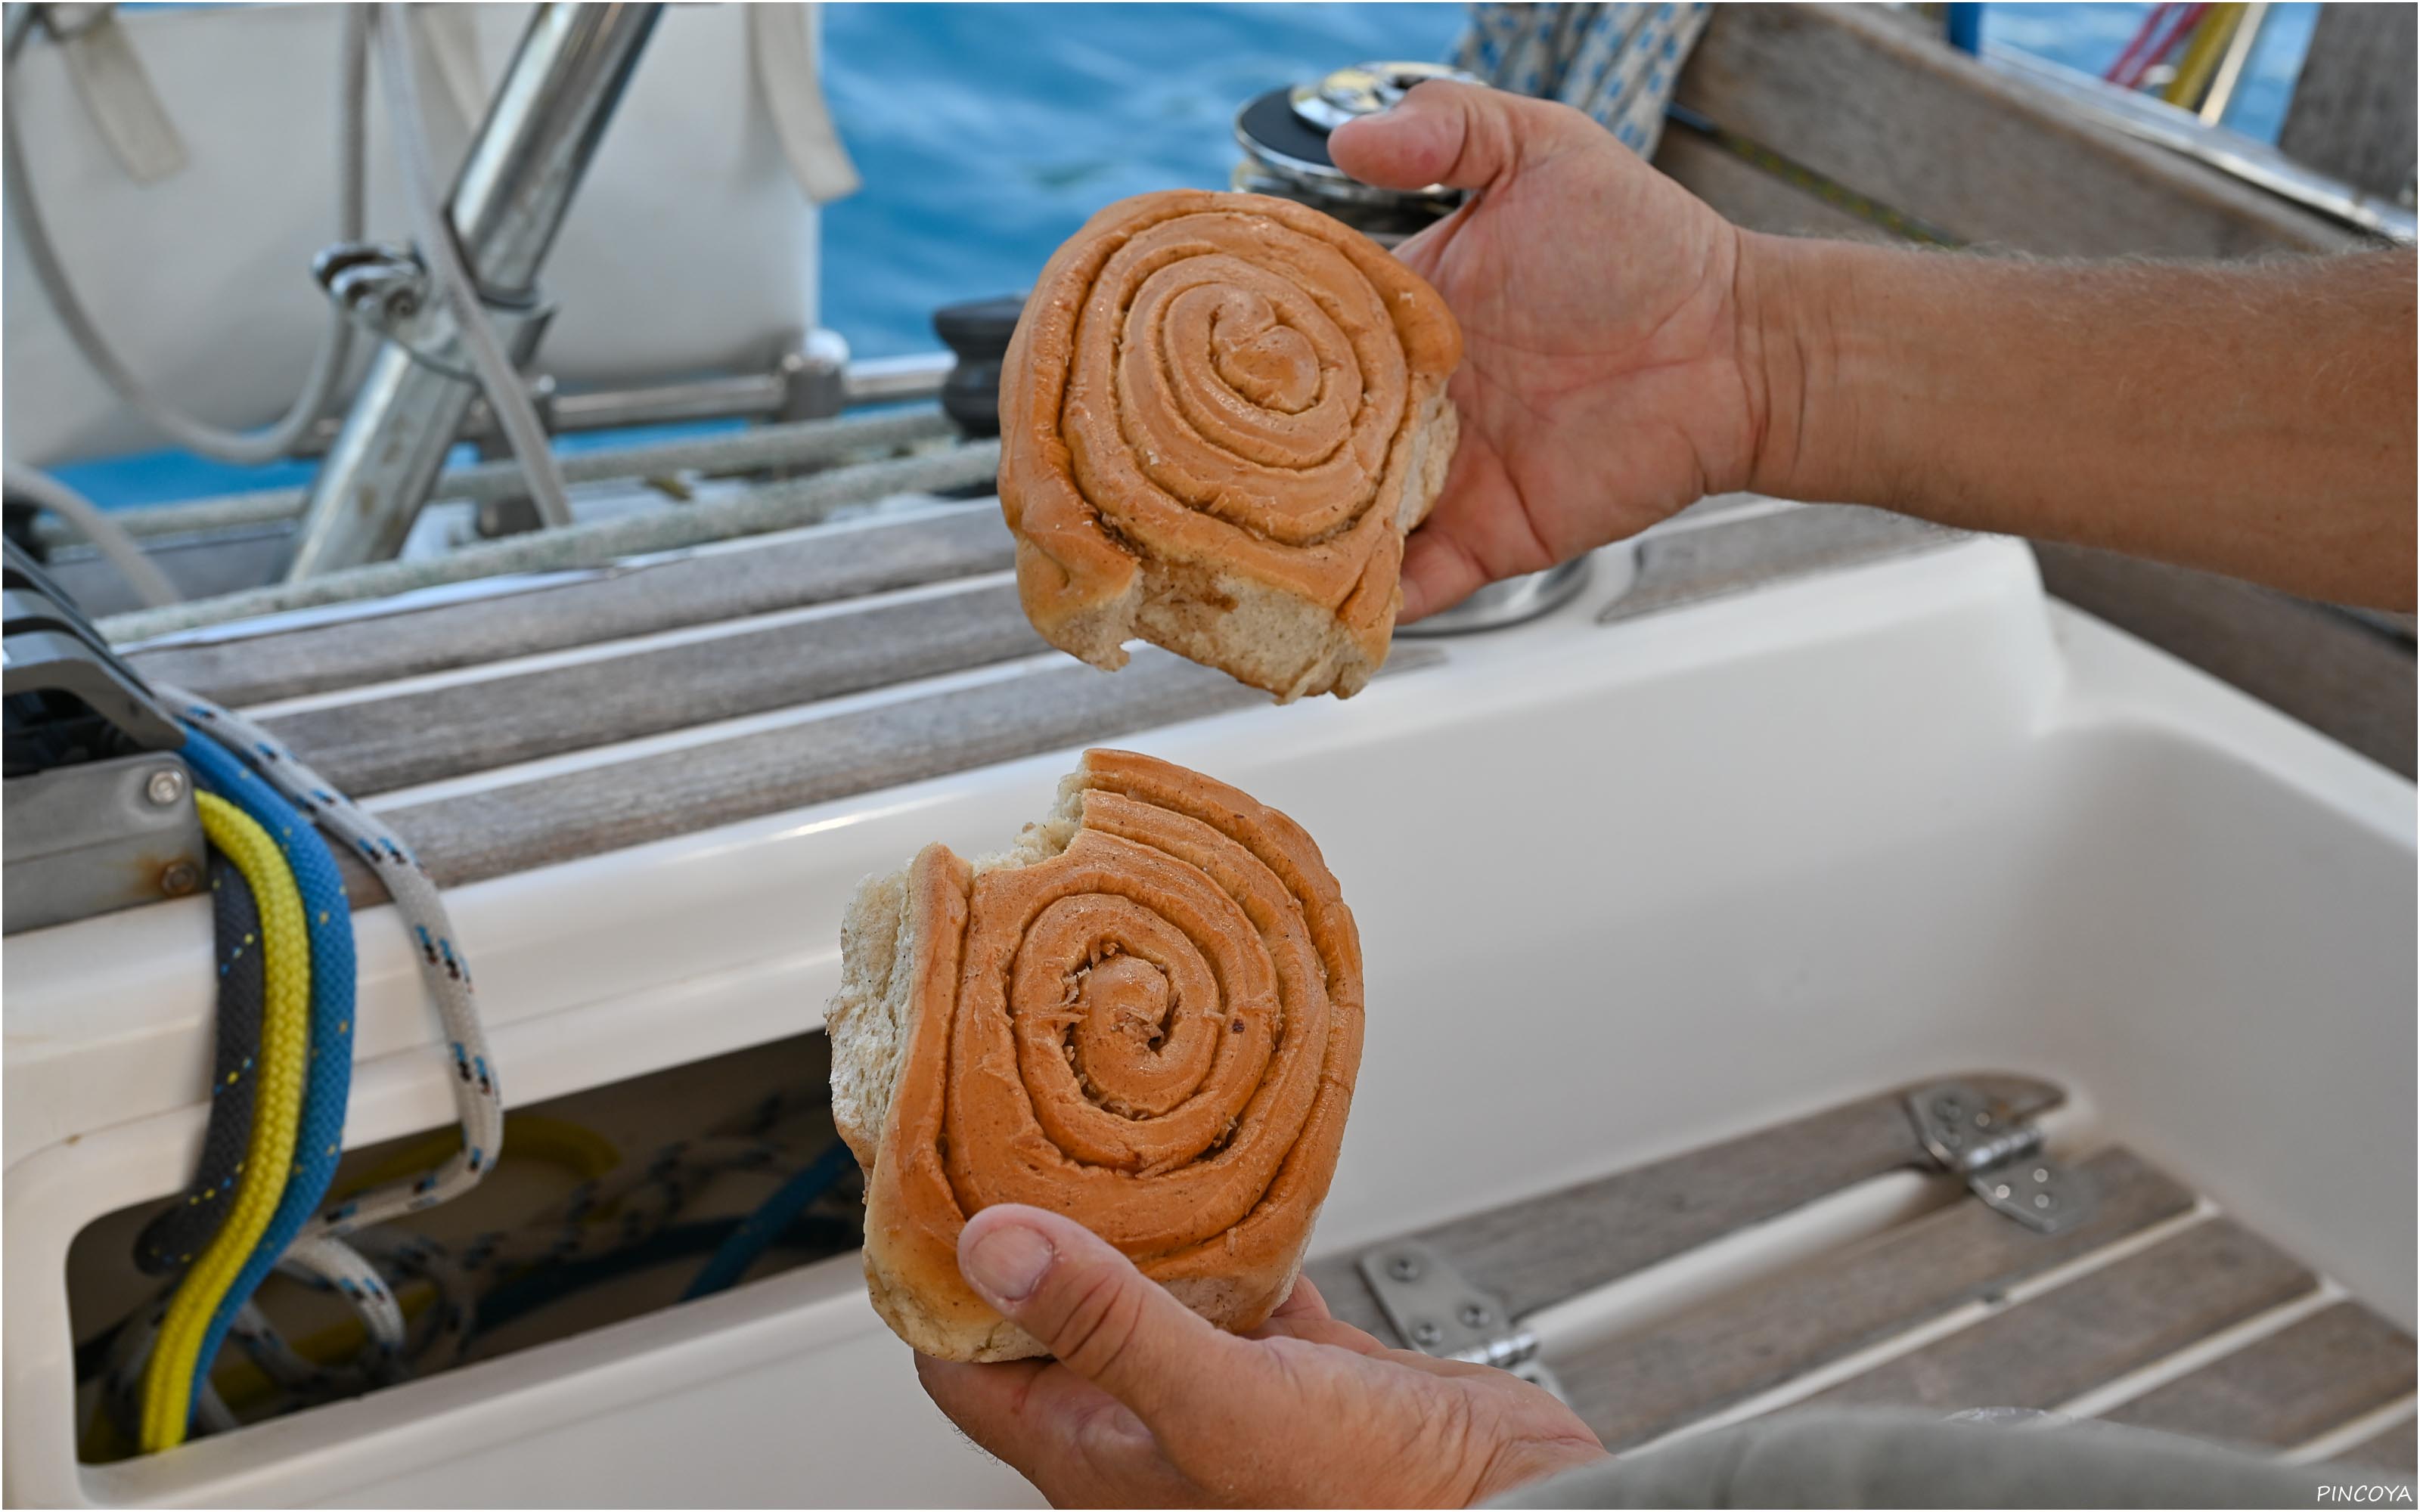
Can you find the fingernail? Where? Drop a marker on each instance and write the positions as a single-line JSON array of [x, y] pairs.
[[1006, 1263]]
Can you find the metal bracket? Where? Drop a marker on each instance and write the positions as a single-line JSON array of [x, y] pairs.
[[50, 645], [1439, 1311], [386, 290], [2001, 1157], [97, 837], [97, 807]]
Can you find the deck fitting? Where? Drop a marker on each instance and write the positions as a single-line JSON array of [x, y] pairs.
[[2000, 1157]]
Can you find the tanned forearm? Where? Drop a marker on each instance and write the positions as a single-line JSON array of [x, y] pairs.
[[2255, 419]]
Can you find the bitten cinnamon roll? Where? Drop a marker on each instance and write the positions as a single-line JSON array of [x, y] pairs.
[[1219, 417], [1146, 1015]]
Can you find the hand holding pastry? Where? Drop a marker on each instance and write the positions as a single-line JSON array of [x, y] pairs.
[[1219, 416], [1146, 1015], [1147, 1405], [1627, 351], [1604, 383]]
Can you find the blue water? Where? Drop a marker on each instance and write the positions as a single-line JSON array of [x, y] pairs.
[[986, 133]]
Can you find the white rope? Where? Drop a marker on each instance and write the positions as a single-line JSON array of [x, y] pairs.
[[149, 583], [335, 344], [1618, 63], [317, 1253], [433, 230], [789, 445], [478, 1099], [778, 506]]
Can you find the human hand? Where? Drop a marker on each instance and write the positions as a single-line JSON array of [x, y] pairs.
[[1608, 377], [1147, 1405]]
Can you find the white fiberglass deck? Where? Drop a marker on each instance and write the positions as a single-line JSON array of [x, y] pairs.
[[1624, 888]]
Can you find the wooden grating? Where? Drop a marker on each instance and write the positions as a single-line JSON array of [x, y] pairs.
[[1545, 1249], [2290, 1388], [1956, 1309], [1718, 1354]]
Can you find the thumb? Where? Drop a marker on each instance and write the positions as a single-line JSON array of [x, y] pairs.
[[1464, 136], [1103, 1318]]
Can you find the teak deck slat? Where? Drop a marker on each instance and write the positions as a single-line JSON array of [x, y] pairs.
[[1548, 1248], [1641, 1385], [603, 604], [2049, 1349], [2396, 1449], [2287, 1389], [378, 745], [573, 814]]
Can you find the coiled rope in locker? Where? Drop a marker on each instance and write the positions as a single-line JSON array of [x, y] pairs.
[[760, 1229], [325, 1363], [597, 1218], [621, 1218]]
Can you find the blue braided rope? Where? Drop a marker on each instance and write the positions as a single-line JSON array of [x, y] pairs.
[[760, 1229], [329, 1075]]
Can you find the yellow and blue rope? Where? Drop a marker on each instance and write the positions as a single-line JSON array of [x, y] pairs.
[[168, 1378], [477, 1092], [328, 1081], [180, 1231], [300, 1079]]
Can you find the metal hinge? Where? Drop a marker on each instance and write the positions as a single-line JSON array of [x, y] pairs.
[[1439, 1311], [2001, 1157]]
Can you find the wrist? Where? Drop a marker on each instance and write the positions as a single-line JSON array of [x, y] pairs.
[[1805, 370]]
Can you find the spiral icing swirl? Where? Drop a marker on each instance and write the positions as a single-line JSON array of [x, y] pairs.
[[1154, 1030], [1220, 386]]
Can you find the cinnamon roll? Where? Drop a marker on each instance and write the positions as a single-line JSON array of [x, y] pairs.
[[1219, 415], [1146, 1015]]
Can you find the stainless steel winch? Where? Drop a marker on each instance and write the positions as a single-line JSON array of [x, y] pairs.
[[1284, 131]]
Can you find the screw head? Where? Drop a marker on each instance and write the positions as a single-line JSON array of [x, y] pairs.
[[179, 878], [165, 786], [1475, 1315], [1405, 1268], [1427, 1335]]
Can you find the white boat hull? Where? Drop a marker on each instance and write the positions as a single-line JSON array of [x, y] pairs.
[[1624, 889]]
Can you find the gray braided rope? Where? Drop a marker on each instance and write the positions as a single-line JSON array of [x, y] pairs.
[[478, 1099]]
